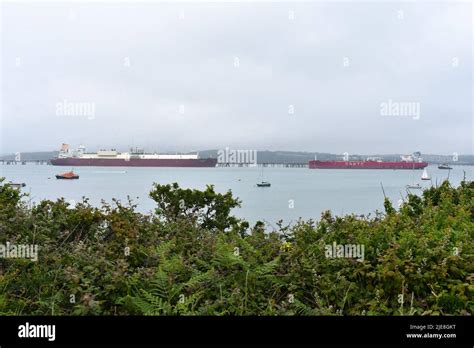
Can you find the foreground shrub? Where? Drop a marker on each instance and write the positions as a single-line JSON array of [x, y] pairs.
[[192, 257]]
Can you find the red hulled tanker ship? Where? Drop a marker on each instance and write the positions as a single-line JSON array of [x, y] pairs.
[[406, 162], [134, 158]]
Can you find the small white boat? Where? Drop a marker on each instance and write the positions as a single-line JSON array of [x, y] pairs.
[[425, 175], [444, 166], [17, 185], [414, 186]]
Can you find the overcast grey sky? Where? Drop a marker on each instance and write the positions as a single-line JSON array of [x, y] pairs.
[[276, 76]]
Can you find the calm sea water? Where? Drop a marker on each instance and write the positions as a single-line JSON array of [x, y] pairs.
[[295, 192]]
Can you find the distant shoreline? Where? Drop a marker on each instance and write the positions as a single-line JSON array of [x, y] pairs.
[[280, 157]]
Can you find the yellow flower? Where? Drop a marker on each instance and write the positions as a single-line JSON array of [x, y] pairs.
[[286, 246]]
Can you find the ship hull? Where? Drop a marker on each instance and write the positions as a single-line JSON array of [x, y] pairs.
[[67, 177], [117, 162], [365, 165]]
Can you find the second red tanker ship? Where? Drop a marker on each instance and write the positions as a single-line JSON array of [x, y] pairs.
[[407, 162]]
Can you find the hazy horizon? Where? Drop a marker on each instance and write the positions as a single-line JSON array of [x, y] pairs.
[[362, 78], [150, 150]]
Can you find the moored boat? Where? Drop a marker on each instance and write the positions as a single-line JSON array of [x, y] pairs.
[[17, 185], [444, 166], [261, 182], [425, 175], [67, 175], [264, 184]]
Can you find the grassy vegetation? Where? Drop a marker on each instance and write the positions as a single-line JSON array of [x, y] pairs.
[[192, 257]]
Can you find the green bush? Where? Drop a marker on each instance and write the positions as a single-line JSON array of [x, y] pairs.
[[192, 257]]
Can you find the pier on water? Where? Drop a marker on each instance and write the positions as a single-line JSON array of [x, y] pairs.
[[221, 165], [15, 163], [276, 165]]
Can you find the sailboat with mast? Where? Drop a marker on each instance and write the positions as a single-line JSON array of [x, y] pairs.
[[415, 186], [425, 175], [263, 183]]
